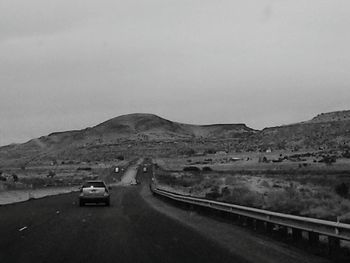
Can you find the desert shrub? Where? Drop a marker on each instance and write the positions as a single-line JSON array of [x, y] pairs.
[[15, 177], [237, 193], [185, 183], [252, 199], [188, 151], [214, 193], [230, 180], [265, 184], [342, 189], [207, 169], [322, 195], [209, 183], [242, 195], [263, 159], [346, 154], [197, 188], [328, 160], [84, 169], [210, 151], [191, 169], [275, 185], [280, 202], [225, 192], [120, 157], [182, 180], [51, 174], [2, 178]]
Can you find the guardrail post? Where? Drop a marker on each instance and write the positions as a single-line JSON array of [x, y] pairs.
[[297, 234], [313, 238], [255, 224], [259, 225], [240, 220], [291, 226], [249, 221], [283, 230], [269, 227], [333, 245]]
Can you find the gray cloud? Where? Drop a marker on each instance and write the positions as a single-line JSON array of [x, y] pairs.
[[71, 64]]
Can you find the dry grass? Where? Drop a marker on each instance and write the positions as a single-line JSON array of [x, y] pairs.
[[307, 192], [62, 175]]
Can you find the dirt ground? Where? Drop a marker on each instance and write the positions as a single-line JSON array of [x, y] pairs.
[[62, 175], [296, 184]]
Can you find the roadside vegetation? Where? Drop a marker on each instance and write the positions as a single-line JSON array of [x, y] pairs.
[[317, 189], [57, 174]]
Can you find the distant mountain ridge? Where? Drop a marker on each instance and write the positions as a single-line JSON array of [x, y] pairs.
[[325, 131], [332, 116], [123, 130], [141, 133]]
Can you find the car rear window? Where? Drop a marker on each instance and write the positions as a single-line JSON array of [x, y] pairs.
[[94, 184]]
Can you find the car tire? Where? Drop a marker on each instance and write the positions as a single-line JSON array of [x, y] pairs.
[[107, 203]]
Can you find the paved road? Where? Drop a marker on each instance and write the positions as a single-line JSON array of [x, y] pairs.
[[58, 230]]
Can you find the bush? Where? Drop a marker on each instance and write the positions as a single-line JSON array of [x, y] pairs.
[[120, 157], [226, 192], [346, 154], [342, 189], [328, 160], [207, 169], [15, 177], [191, 169], [210, 151], [188, 152], [51, 174], [214, 193], [285, 201], [84, 169], [242, 195], [265, 184]]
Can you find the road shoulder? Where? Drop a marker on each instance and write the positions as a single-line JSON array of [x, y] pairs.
[[240, 241]]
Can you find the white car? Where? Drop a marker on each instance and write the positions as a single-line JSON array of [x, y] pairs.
[[94, 192]]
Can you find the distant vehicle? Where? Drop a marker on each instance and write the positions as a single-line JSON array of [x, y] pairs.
[[94, 192], [145, 169]]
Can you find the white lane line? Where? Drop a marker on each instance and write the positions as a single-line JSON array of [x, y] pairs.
[[23, 228]]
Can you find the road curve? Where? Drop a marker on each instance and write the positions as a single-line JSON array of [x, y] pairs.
[[56, 229]]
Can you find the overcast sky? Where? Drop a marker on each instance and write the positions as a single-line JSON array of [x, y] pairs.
[[70, 64]]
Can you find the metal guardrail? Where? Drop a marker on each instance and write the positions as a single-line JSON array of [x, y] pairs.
[[337, 230]]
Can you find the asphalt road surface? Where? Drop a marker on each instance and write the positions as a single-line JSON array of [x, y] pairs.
[[56, 229]]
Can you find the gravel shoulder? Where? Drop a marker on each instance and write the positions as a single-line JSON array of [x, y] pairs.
[[15, 196]]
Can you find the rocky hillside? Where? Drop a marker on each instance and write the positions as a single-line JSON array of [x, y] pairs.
[[124, 133], [332, 117], [324, 132], [147, 134]]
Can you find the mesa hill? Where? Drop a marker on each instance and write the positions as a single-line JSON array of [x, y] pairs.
[[124, 133], [326, 131], [332, 116], [150, 135]]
